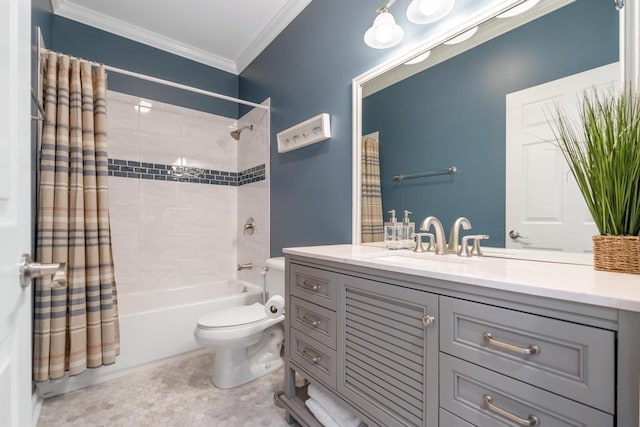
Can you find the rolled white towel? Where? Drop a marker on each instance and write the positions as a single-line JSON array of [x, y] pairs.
[[342, 416], [320, 413]]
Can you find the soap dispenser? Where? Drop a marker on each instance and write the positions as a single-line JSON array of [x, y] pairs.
[[408, 229], [393, 232]]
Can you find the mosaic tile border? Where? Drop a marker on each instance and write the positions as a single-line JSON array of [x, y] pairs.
[[161, 172]]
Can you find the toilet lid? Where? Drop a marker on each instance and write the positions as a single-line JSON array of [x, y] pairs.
[[233, 316]]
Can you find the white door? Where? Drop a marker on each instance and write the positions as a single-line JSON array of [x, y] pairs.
[[543, 204], [15, 211]]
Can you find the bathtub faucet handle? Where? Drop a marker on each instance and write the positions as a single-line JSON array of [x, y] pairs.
[[247, 266]]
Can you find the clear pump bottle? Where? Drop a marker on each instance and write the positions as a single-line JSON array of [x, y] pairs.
[[393, 232]]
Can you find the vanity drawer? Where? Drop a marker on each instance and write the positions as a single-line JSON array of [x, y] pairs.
[[314, 321], [449, 420], [315, 358], [317, 286], [465, 390], [572, 360]]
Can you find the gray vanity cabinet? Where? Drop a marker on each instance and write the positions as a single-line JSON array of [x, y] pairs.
[[388, 351], [404, 350]]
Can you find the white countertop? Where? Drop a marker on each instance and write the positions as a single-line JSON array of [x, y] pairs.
[[578, 283]]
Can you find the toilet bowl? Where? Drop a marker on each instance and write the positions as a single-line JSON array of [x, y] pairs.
[[246, 341]]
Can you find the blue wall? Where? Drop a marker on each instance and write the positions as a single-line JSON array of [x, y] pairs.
[[453, 114], [87, 42], [308, 70]]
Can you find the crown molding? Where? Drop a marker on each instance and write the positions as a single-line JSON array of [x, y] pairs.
[[282, 19], [135, 33]]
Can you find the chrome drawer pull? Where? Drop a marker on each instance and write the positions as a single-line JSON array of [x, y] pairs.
[[527, 351], [309, 321], [310, 286], [311, 356], [487, 403]]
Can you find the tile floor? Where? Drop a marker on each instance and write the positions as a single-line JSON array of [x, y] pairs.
[[178, 393]]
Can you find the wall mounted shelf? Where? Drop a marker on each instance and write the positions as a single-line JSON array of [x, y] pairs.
[[310, 131]]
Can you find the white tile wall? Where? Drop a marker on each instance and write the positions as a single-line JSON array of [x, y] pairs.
[[253, 198], [172, 234]]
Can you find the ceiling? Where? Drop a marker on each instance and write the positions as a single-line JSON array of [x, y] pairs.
[[227, 35]]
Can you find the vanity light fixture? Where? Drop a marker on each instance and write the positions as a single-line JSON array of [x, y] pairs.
[[462, 37], [521, 8], [427, 11], [384, 32], [418, 59]]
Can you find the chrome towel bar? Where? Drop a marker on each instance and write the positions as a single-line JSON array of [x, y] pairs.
[[450, 171]]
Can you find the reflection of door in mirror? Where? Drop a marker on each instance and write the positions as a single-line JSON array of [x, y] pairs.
[[543, 202], [371, 196], [453, 113]]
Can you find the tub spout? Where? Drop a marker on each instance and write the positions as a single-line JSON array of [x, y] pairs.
[[247, 266]]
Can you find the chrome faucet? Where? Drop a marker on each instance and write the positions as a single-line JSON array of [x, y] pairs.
[[437, 225], [452, 247]]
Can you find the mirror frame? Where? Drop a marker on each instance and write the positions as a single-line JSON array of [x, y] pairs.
[[629, 57]]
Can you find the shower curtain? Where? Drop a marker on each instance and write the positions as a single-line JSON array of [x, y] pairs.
[[371, 194], [75, 327]]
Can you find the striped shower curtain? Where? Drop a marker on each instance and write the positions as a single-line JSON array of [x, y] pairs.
[[371, 194], [75, 327]]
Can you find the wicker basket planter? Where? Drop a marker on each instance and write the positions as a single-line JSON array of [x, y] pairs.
[[617, 253]]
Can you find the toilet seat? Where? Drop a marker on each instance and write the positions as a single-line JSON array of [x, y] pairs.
[[240, 322], [233, 316]]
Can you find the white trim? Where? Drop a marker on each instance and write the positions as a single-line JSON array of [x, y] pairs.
[[630, 51], [282, 19], [150, 38], [36, 407], [116, 26]]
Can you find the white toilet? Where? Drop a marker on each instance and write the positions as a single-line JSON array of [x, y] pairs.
[[247, 343]]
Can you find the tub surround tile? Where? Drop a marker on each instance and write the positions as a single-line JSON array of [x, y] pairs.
[[181, 231], [164, 172]]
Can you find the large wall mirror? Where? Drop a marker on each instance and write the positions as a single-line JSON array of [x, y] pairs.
[[482, 105]]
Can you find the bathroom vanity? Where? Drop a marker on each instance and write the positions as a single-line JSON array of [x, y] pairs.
[[419, 339]]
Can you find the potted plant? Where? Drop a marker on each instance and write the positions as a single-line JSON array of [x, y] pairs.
[[602, 148]]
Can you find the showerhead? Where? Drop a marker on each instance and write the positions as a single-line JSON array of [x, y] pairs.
[[236, 133]]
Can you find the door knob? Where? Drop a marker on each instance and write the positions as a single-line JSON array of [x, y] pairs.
[[515, 234], [32, 270]]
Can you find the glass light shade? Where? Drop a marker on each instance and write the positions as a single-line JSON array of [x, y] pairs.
[[384, 32], [418, 59], [462, 37], [426, 11], [521, 8]]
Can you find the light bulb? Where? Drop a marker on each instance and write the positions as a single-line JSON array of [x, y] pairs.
[[384, 32], [428, 7], [427, 11]]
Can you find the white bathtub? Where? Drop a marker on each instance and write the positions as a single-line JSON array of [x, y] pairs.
[[155, 325]]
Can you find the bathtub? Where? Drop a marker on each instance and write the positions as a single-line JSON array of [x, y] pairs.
[[155, 325]]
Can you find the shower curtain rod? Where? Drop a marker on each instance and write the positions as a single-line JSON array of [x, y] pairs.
[[170, 83]]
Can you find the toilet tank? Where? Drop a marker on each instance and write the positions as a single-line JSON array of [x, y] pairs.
[[274, 277]]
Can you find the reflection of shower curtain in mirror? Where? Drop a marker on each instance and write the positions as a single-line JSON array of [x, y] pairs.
[[371, 193], [75, 327]]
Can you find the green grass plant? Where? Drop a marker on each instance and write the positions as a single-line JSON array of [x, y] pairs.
[[602, 148]]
